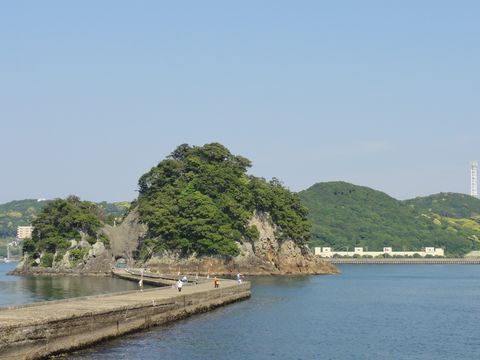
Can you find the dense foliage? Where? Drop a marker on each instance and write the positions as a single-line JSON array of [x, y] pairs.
[[23, 212], [345, 215], [451, 205], [200, 200], [62, 220]]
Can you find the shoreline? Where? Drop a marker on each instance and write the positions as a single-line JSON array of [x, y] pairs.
[[57, 273]]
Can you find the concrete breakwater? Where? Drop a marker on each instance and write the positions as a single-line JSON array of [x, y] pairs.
[[37, 330], [407, 261]]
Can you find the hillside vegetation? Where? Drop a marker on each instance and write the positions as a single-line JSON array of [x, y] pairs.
[[460, 213], [18, 213], [450, 205], [344, 215], [200, 200], [24, 212], [61, 225]]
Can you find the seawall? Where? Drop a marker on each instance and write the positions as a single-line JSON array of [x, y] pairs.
[[407, 261], [35, 331]]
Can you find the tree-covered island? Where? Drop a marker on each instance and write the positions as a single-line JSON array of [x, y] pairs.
[[200, 201], [198, 208]]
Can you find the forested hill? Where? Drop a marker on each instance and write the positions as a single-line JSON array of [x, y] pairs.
[[346, 215], [452, 205], [23, 212]]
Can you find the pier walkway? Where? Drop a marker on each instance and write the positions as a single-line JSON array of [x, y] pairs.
[[155, 279], [40, 329]]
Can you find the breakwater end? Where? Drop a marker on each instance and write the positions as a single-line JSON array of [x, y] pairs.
[[38, 330]]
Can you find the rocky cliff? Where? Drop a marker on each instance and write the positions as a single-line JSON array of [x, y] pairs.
[[82, 258], [266, 255]]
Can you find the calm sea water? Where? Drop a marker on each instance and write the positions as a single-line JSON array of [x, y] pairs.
[[368, 312], [16, 290]]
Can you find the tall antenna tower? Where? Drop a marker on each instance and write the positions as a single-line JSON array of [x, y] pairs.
[[474, 179]]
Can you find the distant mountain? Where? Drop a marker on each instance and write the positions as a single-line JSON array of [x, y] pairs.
[[346, 215], [451, 205], [23, 212]]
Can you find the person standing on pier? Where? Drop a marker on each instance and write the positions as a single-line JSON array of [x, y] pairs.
[[179, 285], [140, 283]]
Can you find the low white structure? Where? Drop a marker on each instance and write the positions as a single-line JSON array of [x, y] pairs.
[[327, 252]]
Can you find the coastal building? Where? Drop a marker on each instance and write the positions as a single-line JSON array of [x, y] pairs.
[[24, 232], [328, 252]]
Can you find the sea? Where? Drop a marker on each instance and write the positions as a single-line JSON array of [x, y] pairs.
[[366, 312]]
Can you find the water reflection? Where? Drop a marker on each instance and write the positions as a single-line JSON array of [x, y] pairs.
[[16, 290], [290, 281]]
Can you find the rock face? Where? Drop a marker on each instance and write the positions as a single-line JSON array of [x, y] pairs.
[[124, 238], [94, 260], [267, 255], [90, 259]]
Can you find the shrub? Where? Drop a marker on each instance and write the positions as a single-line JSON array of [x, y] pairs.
[[28, 246], [76, 255], [46, 260]]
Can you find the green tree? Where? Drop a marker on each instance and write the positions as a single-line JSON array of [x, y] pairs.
[[61, 220]]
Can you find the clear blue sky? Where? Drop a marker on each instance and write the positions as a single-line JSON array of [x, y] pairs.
[[379, 93]]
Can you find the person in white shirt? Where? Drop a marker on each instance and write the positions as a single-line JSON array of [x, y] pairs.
[[179, 285]]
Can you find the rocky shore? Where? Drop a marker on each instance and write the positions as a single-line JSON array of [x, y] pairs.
[[265, 256]]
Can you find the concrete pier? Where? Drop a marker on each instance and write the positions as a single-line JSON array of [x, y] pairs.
[[37, 330], [154, 279]]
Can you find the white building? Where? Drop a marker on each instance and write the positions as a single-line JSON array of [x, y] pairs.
[[327, 252], [24, 232]]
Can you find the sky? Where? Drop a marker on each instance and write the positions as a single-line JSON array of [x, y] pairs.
[[384, 94]]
